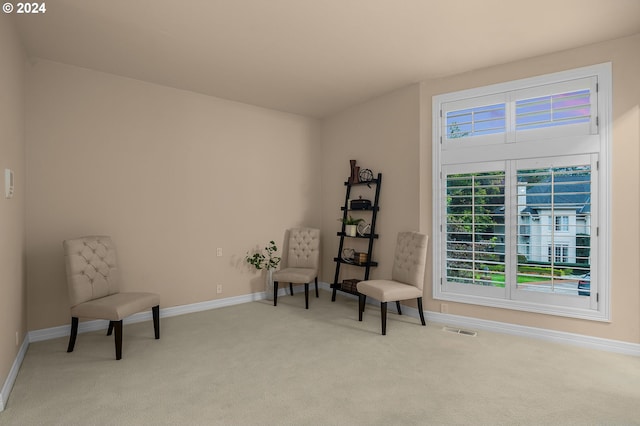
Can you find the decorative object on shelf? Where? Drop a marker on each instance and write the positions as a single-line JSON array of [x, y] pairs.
[[350, 285], [360, 258], [365, 175], [360, 204], [347, 254], [350, 226], [355, 172], [363, 228], [265, 259]]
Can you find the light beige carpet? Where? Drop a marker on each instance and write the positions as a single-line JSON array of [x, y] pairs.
[[256, 364]]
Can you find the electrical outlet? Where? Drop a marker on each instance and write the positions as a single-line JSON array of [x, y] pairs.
[[444, 308], [219, 289], [219, 253]]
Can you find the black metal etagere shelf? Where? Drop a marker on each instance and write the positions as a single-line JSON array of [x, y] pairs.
[[371, 236]]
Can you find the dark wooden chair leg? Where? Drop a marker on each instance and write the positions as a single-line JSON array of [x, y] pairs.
[[291, 288], [156, 320], [333, 293], [110, 329], [317, 294], [420, 311], [361, 301], [117, 325], [398, 307], [275, 293], [306, 295], [74, 334], [383, 317]]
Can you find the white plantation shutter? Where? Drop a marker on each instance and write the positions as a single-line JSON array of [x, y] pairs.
[[518, 214], [556, 110], [474, 237], [480, 121], [526, 114]]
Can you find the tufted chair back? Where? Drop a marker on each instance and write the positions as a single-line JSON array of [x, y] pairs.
[[410, 259], [92, 271], [304, 248]]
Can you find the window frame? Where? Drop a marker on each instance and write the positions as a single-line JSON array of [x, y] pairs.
[[446, 153], [561, 224]]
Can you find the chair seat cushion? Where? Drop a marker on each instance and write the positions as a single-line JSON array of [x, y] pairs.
[[294, 275], [388, 291], [116, 306]]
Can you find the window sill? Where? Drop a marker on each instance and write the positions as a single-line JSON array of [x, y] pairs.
[[525, 306]]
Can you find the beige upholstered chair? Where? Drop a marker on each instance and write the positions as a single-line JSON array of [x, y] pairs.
[[407, 277], [300, 262], [92, 279]]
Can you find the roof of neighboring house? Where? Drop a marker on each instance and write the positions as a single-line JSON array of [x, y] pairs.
[[569, 192]]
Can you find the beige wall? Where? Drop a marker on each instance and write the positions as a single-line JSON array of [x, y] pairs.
[[383, 134], [13, 307], [170, 174]]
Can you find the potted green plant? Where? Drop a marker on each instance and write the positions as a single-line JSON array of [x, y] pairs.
[[265, 259], [350, 225]]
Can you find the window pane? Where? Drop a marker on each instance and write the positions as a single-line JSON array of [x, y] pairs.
[[553, 110], [475, 228], [562, 223], [554, 230], [477, 121]]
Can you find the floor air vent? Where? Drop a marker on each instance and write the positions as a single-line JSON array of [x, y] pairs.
[[460, 331]]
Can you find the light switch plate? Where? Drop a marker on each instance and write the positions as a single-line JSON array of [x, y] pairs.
[[8, 183]]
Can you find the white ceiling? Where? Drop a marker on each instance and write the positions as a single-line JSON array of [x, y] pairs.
[[312, 57]]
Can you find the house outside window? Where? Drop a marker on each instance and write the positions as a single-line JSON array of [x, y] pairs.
[[520, 193]]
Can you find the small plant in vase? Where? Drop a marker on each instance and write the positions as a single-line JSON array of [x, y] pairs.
[[350, 225], [265, 259]]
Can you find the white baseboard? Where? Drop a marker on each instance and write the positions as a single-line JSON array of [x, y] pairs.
[[574, 339], [473, 324], [94, 325], [13, 373]]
